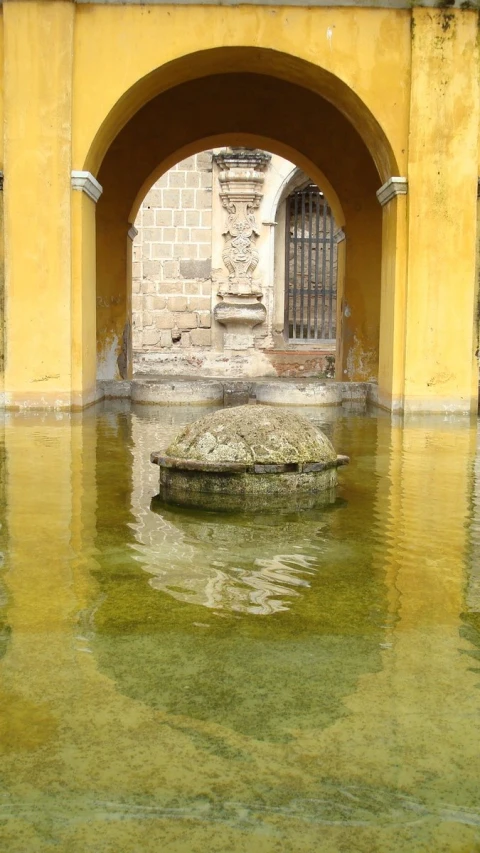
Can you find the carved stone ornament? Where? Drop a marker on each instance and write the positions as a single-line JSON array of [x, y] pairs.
[[241, 179]]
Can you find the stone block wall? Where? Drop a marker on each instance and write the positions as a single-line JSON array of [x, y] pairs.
[[180, 275], [172, 260]]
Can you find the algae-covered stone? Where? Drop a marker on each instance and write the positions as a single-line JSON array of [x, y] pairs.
[[249, 457], [252, 435]]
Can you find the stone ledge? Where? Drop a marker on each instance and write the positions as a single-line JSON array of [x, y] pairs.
[[87, 183], [173, 392], [115, 389], [181, 390], [175, 463], [391, 188], [359, 4]]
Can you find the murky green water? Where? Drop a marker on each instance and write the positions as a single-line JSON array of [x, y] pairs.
[[180, 682]]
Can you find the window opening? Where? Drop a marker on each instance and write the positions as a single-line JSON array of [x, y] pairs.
[[310, 267]]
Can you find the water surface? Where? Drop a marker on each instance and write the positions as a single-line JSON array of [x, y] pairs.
[[184, 681]]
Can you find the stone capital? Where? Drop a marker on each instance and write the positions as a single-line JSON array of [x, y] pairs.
[[391, 188], [132, 232], [250, 159], [85, 182]]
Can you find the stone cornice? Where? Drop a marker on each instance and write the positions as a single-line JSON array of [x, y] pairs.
[[359, 4], [85, 182], [391, 188], [242, 158]]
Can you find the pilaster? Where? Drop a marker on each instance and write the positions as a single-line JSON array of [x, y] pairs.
[[37, 140], [241, 309], [440, 367], [391, 363]]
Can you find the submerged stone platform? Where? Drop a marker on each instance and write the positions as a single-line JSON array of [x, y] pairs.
[[242, 457]]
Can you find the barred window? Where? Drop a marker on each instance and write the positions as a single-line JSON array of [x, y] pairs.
[[310, 267]]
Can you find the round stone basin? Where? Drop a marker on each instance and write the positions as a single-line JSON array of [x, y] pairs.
[[249, 457]]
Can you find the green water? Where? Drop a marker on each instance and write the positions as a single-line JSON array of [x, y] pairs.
[[188, 682]]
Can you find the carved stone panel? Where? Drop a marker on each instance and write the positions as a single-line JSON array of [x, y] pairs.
[[242, 173]]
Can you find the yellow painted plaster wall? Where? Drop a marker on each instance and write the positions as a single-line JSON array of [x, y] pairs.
[[75, 75], [440, 369], [358, 58], [84, 300], [391, 375], [38, 43], [2, 246]]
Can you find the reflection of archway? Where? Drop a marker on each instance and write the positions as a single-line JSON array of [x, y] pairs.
[[195, 121]]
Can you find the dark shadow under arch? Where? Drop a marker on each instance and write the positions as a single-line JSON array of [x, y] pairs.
[[241, 60], [229, 107]]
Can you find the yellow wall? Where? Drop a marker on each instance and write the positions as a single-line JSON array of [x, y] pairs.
[[119, 89], [38, 43], [163, 46], [84, 300], [442, 173], [391, 375], [2, 253]]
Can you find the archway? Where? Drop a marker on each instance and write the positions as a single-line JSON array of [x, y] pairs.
[[298, 67], [321, 277], [243, 109], [180, 277]]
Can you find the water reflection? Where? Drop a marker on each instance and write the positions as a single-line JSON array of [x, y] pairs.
[[243, 563], [260, 625], [343, 717], [470, 629]]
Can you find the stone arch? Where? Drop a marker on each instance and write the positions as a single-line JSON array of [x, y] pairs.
[[250, 140], [244, 108], [295, 179], [246, 59]]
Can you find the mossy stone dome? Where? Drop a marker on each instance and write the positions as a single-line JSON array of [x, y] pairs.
[[252, 434]]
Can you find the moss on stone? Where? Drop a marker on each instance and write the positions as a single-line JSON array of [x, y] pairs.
[[252, 434]]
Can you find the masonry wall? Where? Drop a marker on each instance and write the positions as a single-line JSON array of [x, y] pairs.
[[178, 268], [172, 260]]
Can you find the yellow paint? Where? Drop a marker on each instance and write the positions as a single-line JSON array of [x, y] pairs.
[[339, 356], [442, 172], [84, 361], [299, 50], [2, 242], [392, 315], [354, 95], [38, 41]]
